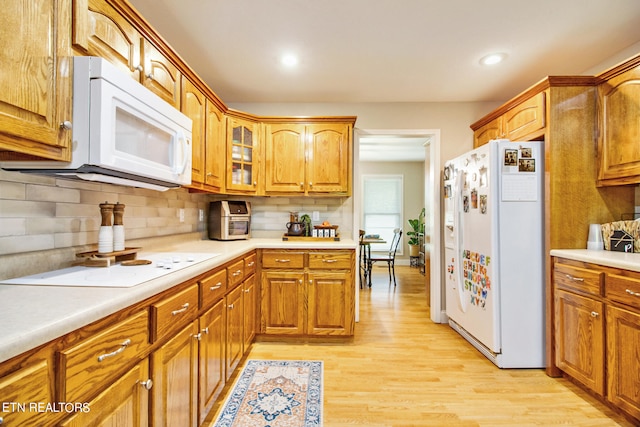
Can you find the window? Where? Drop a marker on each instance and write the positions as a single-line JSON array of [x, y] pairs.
[[382, 207]]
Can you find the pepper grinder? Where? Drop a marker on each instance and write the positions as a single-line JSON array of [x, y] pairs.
[[105, 236], [118, 227]]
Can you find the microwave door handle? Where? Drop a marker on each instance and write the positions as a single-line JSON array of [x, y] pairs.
[[184, 143]]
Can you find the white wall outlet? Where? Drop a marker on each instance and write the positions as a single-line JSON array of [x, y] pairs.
[[181, 215], [315, 216], [200, 215]]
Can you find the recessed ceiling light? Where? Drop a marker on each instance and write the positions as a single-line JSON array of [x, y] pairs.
[[493, 59], [289, 60]]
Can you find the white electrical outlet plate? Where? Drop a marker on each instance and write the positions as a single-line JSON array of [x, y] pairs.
[[181, 213], [315, 216], [201, 214]]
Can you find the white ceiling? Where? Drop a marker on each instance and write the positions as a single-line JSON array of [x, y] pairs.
[[389, 50]]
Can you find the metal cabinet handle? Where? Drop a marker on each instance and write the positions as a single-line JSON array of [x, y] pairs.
[[575, 279], [251, 264], [123, 346], [630, 292], [184, 308], [216, 286], [594, 314], [237, 273], [310, 184], [246, 291], [149, 76], [140, 68], [329, 260], [230, 306], [66, 125], [147, 384], [198, 336], [205, 330], [282, 260]]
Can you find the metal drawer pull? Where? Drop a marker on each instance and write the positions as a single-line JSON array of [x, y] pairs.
[[282, 260], [237, 273], [147, 384], [217, 286], [205, 330], [594, 314], [329, 260], [246, 291], [575, 279], [250, 264], [230, 306], [635, 294], [123, 346], [184, 308], [198, 336]]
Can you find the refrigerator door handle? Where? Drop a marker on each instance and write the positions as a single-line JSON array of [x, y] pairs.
[[458, 239]]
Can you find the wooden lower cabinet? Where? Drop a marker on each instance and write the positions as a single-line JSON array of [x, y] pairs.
[[307, 293], [623, 360], [249, 305], [580, 338], [174, 370], [123, 404], [211, 358], [234, 332]]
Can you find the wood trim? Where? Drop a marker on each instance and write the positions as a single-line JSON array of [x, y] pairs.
[[619, 69]]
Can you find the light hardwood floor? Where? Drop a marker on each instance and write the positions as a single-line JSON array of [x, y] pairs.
[[403, 370]]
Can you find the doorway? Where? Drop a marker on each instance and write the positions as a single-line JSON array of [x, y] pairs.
[[396, 145]]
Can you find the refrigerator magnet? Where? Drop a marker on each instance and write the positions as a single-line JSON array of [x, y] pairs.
[[510, 157], [526, 165], [525, 152], [474, 199], [465, 203], [483, 204]]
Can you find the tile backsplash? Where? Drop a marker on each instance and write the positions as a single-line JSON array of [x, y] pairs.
[[44, 220]]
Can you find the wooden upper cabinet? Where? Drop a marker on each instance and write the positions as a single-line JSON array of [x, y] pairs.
[[99, 30], [160, 75], [308, 158], [35, 83], [524, 121], [619, 128], [242, 156], [329, 158], [193, 105], [215, 145], [284, 158]]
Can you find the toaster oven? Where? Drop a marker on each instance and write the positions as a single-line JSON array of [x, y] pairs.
[[229, 220]]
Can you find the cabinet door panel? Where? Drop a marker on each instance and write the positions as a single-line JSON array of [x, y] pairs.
[[235, 324], [215, 144], [193, 106], [579, 329], [35, 82], [160, 75], [525, 118], [623, 359], [330, 305], [29, 384], [211, 357], [175, 380], [618, 146], [249, 304], [282, 298], [328, 158], [285, 158], [486, 133], [123, 404]]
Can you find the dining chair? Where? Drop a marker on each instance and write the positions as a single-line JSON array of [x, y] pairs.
[[364, 261], [390, 258]]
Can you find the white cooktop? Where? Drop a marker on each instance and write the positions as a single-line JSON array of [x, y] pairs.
[[116, 276]]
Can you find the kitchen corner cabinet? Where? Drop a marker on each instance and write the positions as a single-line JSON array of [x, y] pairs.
[[322, 150], [307, 293], [596, 305], [522, 121], [193, 105], [243, 153], [35, 83], [619, 127]]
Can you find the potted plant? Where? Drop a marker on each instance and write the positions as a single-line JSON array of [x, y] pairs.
[[417, 227]]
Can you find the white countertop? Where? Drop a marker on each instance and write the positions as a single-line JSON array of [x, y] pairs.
[[34, 315], [607, 258]]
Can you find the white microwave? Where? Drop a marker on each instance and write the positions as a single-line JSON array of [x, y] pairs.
[[122, 133]]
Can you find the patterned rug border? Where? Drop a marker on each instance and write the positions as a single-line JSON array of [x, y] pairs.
[[314, 396]]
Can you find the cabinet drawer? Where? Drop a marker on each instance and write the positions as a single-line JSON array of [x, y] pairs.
[[250, 265], [282, 259], [30, 385], [577, 278], [174, 312], [330, 260], [235, 274], [213, 287], [623, 289], [85, 366]]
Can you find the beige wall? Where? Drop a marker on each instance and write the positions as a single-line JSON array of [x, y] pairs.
[[413, 196]]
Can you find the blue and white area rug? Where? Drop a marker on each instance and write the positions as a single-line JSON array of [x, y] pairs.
[[275, 393]]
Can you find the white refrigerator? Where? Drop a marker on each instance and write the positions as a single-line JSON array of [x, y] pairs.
[[494, 240]]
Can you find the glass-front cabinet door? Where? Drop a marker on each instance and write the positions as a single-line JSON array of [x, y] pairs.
[[242, 157]]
